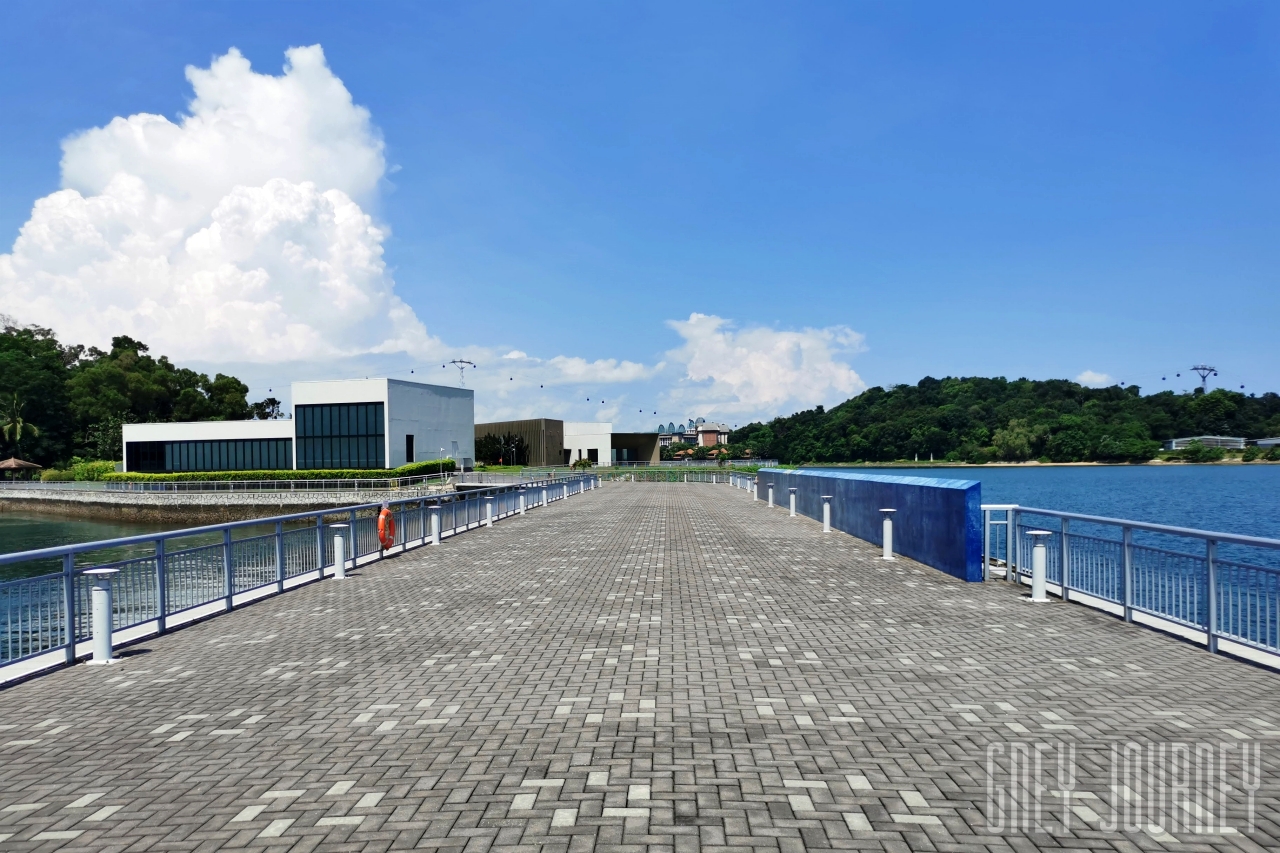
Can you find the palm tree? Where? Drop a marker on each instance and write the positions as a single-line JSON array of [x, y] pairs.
[[13, 426]]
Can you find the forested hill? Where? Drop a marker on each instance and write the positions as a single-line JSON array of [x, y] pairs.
[[76, 398], [982, 420]]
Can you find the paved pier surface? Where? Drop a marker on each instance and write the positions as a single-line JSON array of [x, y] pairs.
[[666, 667]]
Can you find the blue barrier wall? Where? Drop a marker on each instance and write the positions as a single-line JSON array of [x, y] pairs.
[[938, 522]]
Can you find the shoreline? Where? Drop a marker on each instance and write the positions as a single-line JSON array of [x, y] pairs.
[[1031, 464]]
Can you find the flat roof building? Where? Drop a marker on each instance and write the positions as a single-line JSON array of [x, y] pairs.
[[345, 423], [1224, 441], [551, 442]]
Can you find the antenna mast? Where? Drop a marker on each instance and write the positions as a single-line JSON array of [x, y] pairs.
[[462, 364], [1205, 372]]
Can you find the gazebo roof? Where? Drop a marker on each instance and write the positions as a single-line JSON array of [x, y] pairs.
[[13, 463]]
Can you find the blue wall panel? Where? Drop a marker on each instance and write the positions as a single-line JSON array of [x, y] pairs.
[[938, 522]]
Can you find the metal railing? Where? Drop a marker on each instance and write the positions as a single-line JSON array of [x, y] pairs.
[[369, 484], [170, 578], [663, 475], [1205, 585], [701, 463]]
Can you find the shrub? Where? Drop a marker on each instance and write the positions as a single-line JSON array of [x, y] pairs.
[[1197, 452], [53, 475], [1273, 455], [416, 469], [1250, 454], [582, 463]]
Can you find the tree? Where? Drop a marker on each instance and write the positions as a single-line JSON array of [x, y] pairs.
[[266, 410], [13, 426]]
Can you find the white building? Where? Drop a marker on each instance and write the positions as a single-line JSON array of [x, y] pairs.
[[592, 441], [1227, 442], [351, 423]]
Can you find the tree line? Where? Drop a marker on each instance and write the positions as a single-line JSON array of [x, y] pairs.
[[978, 420], [61, 402]]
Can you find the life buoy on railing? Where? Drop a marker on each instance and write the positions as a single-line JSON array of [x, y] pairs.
[[386, 527]]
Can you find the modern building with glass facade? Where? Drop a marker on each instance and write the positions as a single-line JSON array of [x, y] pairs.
[[353, 423]]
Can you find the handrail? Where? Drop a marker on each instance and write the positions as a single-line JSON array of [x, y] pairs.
[[183, 532], [1216, 536]]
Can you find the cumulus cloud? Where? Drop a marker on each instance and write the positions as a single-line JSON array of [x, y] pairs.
[[761, 370], [1094, 379], [236, 232]]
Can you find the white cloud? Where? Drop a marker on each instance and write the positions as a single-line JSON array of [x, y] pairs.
[[763, 371], [236, 232], [1094, 379]]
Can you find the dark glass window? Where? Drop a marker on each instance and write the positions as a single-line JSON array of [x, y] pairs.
[[345, 435], [164, 457]]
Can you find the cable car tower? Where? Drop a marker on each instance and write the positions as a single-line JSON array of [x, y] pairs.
[[462, 364], [1205, 372]]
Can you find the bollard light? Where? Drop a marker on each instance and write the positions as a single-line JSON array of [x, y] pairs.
[[826, 513], [888, 533], [755, 489], [792, 490], [435, 525], [1039, 566], [102, 613], [488, 510], [339, 551]]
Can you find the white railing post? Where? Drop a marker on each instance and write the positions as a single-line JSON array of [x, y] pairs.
[[69, 606], [488, 510], [887, 533], [1065, 576], [566, 490], [1039, 566], [339, 551], [770, 495], [229, 568], [435, 524], [1211, 577], [102, 613], [1128, 573], [319, 547], [986, 543], [826, 513], [162, 588], [522, 500], [792, 490], [755, 489], [544, 495]]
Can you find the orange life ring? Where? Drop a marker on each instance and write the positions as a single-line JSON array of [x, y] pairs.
[[386, 528]]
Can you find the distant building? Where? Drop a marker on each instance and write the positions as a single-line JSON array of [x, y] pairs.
[[1266, 442], [552, 442], [1226, 442], [346, 423], [699, 433]]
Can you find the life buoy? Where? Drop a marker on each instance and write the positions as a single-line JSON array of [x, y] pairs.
[[386, 528]]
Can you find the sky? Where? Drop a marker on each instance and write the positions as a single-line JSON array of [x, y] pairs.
[[644, 213]]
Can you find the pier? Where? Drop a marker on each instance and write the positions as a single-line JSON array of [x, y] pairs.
[[647, 666]]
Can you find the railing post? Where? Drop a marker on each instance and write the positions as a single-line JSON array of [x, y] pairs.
[[887, 533], [102, 615], [279, 556], [162, 588], [1065, 579], [986, 544], [319, 547], [1013, 545], [1128, 574], [488, 510], [770, 493], [792, 490], [1211, 577], [1039, 560], [69, 604], [422, 522], [339, 552], [544, 495], [522, 491], [229, 569], [435, 524], [755, 489], [826, 513], [355, 540]]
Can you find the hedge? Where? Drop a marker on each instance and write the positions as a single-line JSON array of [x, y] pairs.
[[80, 471], [417, 469]]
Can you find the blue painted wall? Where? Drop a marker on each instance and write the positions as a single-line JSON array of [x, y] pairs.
[[938, 522]]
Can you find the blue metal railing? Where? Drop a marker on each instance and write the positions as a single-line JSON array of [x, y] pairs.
[[183, 575], [1222, 586]]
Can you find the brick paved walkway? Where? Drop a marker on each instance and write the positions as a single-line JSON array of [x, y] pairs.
[[665, 666]]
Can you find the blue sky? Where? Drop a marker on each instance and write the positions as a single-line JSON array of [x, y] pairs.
[[879, 191]]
